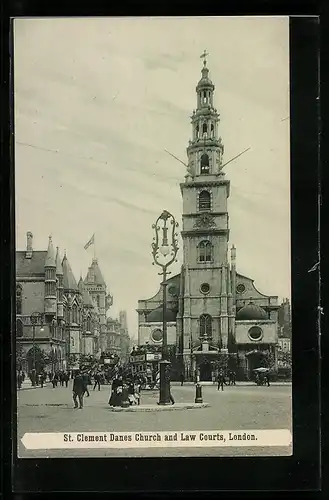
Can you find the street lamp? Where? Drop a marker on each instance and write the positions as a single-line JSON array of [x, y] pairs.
[[36, 319], [164, 251]]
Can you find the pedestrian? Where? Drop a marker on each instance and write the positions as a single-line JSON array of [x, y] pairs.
[[41, 379], [97, 381], [55, 380], [182, 378], [267, 379], [19, 380], [66, 378], [233, 377], [78, 390], [85, 381], [220, 380]]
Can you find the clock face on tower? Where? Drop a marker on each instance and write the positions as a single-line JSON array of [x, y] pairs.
[[205, 220]]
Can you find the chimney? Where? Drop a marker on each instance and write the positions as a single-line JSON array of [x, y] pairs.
[[29, 242]]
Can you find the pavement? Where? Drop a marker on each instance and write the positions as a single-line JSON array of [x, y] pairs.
[[241, 407]]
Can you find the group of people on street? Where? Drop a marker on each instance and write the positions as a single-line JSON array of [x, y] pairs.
[[225, 379]]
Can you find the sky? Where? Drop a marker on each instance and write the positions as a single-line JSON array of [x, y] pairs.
[[97, 103]]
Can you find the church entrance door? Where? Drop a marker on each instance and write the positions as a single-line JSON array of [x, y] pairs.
[[205, 372]]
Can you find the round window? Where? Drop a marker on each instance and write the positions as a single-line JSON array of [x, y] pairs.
[[205, 288], [172, 290], [240, 288], [255, 333], [157, 335]]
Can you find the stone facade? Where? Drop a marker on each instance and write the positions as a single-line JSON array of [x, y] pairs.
[[204, 301], [68, 322]]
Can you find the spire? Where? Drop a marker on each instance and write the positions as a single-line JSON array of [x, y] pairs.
[[69, 282], [50, 259], [59, 269], [205, 82], [205, 149], [94, 275]]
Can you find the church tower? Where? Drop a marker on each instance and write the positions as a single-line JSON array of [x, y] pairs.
[[207, 301]]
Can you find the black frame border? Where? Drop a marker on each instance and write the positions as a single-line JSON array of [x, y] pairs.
[[299, 472]]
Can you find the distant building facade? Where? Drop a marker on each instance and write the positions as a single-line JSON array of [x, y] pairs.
[[118, 339], [71, 315]]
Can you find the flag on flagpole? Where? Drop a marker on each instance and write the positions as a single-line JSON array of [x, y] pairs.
[[90, 242]]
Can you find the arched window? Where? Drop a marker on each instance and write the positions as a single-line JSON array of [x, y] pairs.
[[212, 129], [204, 128], [204, 164], [88, 324], [205, 251], [98, 300], [204, 201], [74, 314], [205, 325], [18, 299], [197, 131], [19, 328]]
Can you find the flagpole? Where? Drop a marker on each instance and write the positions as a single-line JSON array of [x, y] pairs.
[[94, 248]]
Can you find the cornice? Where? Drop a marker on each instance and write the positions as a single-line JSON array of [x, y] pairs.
[[205, 231], [202, 183], [196, 214]]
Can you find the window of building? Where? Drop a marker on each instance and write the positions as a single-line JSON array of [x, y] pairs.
[[212, 129], [98, 300], [204, 201], [204, 164], [205, 288], [18, 299], [255, 333], [205, 251], [204, 128], [88, 324], [197, 131], [19, 328], [205, 325], [74, 314]]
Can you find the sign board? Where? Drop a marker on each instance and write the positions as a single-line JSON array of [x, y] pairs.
[[153, 356], [109, 361], [138, 358]]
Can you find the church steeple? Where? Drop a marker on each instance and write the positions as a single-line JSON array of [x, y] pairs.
[[205, 149]]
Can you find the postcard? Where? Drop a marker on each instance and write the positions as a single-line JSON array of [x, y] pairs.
[[152, 184]]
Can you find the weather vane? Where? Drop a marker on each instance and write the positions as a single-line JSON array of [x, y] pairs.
[[203, 56]]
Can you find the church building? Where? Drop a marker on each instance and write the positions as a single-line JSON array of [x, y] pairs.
[[215, 315]]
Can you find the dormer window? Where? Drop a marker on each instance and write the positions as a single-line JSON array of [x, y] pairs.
[[204, 166]]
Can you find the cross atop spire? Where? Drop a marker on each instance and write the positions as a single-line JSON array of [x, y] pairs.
[[203, 56]]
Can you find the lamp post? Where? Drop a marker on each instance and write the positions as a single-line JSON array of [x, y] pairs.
[[36, 319], [164, 254]]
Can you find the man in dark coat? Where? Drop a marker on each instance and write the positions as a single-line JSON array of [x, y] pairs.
[[85, 377], [78, 390], [221, 380], [97, 379], [181, 378]]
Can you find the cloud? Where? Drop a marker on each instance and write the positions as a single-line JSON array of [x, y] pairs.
[[97, 101]]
